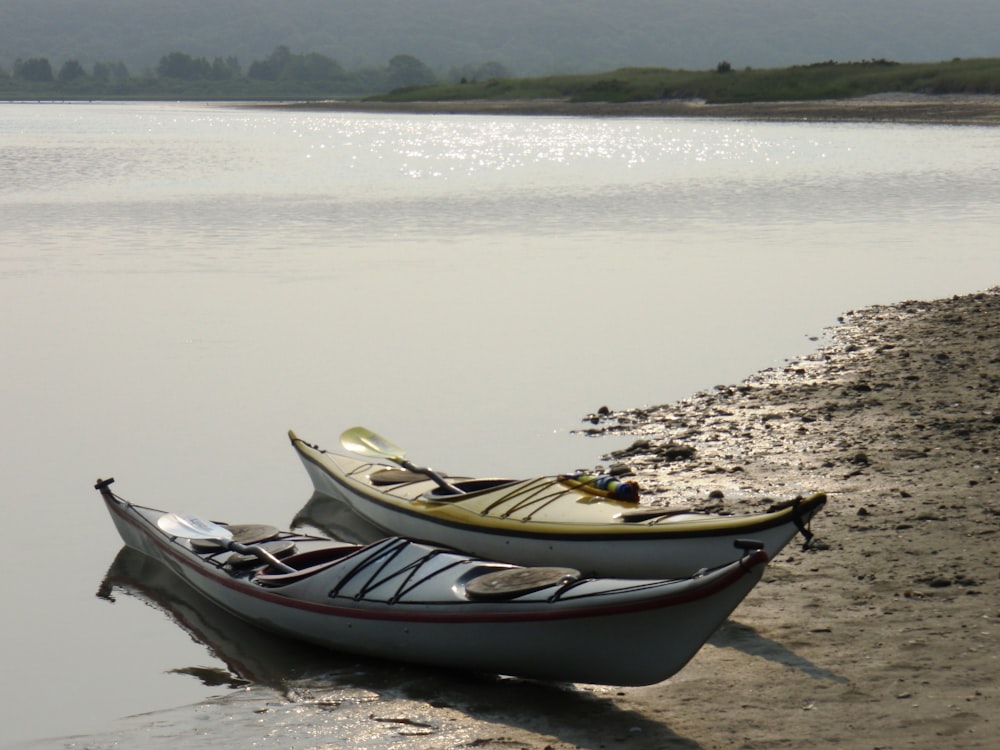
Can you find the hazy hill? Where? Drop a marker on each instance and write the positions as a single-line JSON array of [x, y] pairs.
[[529, 37]]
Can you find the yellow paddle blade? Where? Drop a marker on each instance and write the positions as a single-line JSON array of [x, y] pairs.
[[367, 443]]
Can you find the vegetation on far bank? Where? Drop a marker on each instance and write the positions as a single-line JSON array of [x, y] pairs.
[[179, 76], [285, 75], [725, 84]]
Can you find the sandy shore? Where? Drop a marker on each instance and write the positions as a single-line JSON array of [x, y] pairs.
[[886, 634], [901, 108]]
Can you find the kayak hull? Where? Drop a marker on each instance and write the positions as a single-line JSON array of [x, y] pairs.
[[397, 599], [546, 521]]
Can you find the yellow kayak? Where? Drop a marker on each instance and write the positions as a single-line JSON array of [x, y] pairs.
[[550, 520]]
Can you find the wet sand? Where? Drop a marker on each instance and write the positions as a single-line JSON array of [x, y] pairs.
[[882, 108]]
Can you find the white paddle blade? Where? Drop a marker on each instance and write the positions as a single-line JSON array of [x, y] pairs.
[[367, 443], [192, 527]]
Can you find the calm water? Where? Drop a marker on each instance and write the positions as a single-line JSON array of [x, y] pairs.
[[181, 284]]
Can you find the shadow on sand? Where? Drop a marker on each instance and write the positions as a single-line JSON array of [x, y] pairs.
[[744, 638]]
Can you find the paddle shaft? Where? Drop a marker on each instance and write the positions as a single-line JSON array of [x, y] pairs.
[[258, 552], [367, 443], [438, 479]]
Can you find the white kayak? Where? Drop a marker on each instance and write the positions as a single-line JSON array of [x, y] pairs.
[[597, 527], [412, 602]]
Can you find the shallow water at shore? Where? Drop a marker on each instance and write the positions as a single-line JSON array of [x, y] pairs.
[[890, 108], [181, 284]]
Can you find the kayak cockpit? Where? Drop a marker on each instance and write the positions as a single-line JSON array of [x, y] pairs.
[[387, 479], [305, 564], [470, 487]]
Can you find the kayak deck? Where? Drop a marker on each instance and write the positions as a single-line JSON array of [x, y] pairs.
[[553, 502]]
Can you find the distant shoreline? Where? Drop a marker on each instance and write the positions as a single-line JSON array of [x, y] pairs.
[[887, 108]]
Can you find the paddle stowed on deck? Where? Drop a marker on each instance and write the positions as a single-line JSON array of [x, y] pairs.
[[206, 533], [593, 524]]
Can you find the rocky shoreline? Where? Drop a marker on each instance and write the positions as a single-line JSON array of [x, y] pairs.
[[884, 634]]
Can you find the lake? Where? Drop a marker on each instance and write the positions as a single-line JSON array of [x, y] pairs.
[[180, 284]]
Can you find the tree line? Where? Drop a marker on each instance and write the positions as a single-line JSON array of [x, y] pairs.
[[282, 74]]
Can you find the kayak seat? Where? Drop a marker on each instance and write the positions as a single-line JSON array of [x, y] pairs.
[[468, 486], [279, 549], [396, 476], [653, 514], [387, 477], [305, 564], [314, 557]]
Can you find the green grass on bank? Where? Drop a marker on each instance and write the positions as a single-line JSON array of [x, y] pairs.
[[824, 80], [827, 80]]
